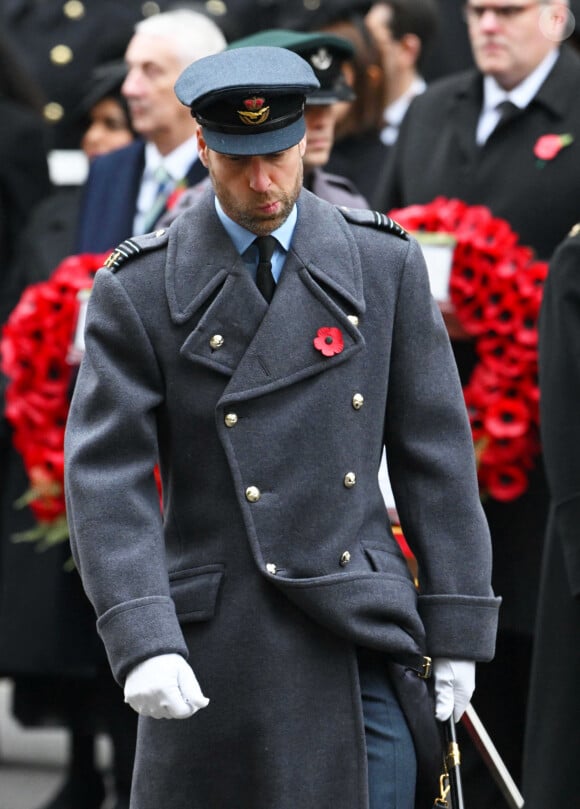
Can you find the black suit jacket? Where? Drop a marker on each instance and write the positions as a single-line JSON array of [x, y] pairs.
[[110, 197], [436, 154]]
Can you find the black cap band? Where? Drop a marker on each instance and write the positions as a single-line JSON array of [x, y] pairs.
[[243, 129]]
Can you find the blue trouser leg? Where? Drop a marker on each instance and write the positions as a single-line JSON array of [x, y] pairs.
[[392, 764]]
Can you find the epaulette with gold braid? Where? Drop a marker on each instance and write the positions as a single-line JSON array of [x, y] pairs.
[[133, 247], [373, 219]]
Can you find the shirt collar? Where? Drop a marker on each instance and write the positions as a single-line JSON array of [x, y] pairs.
[[525, 91], [395, 112], [178, 162], [243, 238]]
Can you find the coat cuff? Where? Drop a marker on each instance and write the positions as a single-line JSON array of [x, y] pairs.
[[131, 632], [461, 627]]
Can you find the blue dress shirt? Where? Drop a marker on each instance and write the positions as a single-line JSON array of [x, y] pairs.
[[243, 241]]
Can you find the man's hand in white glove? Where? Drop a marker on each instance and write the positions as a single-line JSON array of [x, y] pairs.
[[164, 687], [454, 687]]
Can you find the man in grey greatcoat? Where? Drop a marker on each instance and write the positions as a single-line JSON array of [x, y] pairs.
[[263, 621]]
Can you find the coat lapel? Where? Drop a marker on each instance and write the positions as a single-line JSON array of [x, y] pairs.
[[464, 112], [265, 347], [321, 285]]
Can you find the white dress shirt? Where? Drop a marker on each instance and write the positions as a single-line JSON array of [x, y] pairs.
[[177, 163], [521, 95]]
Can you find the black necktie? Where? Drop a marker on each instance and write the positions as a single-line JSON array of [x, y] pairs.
[[264, 278], [507, 109]]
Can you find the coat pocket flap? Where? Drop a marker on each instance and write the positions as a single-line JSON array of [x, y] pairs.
[[195, 591], [387, 559]]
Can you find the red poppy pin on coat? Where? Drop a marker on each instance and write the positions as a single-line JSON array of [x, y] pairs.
[[328, 341]]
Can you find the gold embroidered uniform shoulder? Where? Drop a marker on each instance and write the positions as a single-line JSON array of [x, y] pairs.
[[133, 247], [373, 219]]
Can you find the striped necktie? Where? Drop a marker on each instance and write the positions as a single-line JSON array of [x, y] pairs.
[[165, 185]]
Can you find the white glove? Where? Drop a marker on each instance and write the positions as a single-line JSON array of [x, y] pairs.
[[454, 687], [164, 687]]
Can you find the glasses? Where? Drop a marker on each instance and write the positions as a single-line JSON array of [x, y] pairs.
[[502, 13]]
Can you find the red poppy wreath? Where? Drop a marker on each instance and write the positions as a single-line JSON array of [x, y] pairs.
[[38, 356], [496, 289], [35, 356]]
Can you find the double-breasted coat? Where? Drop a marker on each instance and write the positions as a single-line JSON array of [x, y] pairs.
[[273, 558]]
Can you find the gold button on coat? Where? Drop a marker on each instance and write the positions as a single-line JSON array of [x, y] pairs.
[[344, 558], [150, 8], [53, 111], [253, 494], [74, 9], [216, 341], [349, 480], [231, 419], [61, 55], [354, 320], [271, 568], [358, 401]]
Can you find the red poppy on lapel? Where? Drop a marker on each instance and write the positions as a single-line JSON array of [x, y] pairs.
[[328, 341], [548, 146]]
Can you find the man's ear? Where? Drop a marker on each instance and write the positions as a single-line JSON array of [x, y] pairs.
[[201, 147], [302, 146], [410, 49]]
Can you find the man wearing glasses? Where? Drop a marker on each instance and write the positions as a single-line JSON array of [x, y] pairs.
[[476, 136], [460, 140]]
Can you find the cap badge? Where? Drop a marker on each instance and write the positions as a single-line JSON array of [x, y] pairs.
[[322, 59], [255, 112]]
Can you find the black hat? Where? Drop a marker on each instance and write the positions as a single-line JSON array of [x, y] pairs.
[[105, 82], [325, 53], [249, 101]]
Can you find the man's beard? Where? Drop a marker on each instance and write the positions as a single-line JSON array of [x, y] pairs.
[[264, 224]]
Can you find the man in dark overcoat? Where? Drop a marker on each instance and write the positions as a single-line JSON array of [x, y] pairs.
[[553, 726], [481, 136], [263, 622]]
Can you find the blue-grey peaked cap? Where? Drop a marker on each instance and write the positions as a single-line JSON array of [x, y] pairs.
[[249, 101]]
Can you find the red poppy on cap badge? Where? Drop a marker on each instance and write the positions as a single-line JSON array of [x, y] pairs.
[[328, 341], [255, 112]]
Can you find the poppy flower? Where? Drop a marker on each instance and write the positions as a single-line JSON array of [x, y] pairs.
[[507, 482], [328, 341], [548, 146], [507, 418]]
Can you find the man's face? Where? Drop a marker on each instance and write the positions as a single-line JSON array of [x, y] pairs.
[[507, 37], [156, 113], [320, 121], [257, 192]]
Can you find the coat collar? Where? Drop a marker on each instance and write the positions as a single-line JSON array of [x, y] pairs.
[[264, 347]]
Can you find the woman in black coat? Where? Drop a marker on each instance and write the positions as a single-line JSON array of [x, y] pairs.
[[553, 724]]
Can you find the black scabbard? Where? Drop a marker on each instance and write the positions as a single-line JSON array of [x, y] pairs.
[[453, 763]]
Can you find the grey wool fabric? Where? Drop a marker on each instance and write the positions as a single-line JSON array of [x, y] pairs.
[[270, 563]]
